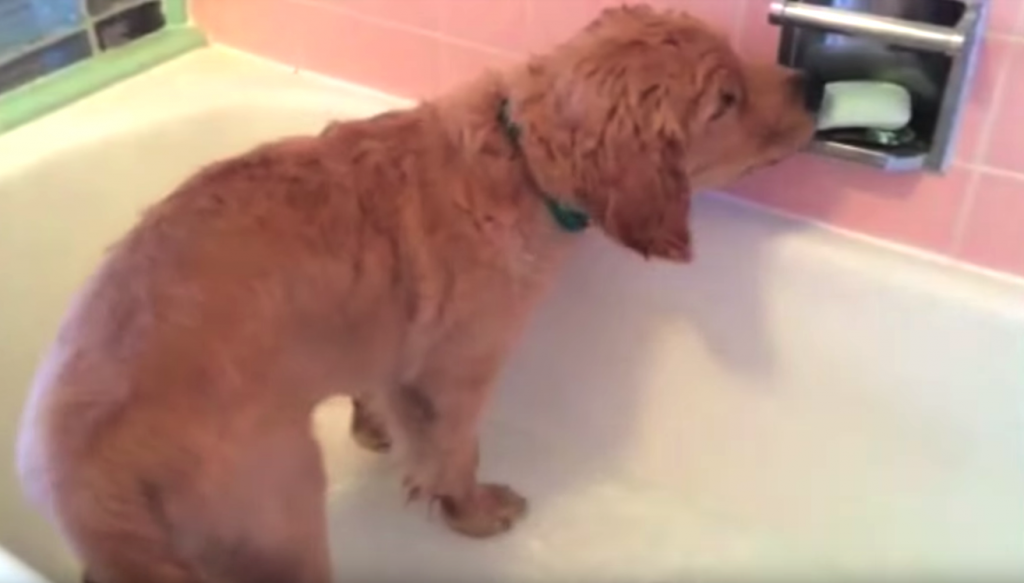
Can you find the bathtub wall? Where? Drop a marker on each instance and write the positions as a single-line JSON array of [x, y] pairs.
[[416, 48]]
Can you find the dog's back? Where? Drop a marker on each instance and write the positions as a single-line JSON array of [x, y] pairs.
[[209, 322]]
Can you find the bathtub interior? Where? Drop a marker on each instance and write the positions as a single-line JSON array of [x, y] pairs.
[[798, 402]]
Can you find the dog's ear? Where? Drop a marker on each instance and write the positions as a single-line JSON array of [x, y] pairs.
[[629, 150], [647, 203], [609, 118]]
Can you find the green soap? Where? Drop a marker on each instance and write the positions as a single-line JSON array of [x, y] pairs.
[[864, 104]]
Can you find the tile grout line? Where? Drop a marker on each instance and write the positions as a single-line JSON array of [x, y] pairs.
[[436, 35], [442, 61], [530, 16], [964, 213], [301, 47], [993, 170], [740, 20], [892, 244], [1005, 36], [977, 165], [999, 89]]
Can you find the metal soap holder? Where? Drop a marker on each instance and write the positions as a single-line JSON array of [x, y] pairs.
[[928, 46]]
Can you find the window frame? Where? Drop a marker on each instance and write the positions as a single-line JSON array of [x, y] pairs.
[[65, 86]]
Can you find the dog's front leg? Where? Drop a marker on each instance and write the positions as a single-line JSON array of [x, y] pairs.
[[435, 425]]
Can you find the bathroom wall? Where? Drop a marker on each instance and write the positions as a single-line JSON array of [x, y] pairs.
[[416, 48]]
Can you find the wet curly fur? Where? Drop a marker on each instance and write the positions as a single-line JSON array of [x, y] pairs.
[[390, 259]]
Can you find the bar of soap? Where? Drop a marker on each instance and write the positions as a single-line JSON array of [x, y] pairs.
[[864, 104]]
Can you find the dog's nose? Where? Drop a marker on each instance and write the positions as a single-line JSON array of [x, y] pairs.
[[810, 90]]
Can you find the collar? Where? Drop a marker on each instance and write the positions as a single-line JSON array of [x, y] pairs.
[[568, 217]]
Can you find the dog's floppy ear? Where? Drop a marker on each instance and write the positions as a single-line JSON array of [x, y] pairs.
[[647, 204], [630, 163], [608, 120]]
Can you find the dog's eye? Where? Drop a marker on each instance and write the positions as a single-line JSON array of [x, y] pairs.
[[726, 101]]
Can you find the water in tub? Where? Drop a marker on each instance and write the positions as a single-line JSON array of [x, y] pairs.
[[797, 403]]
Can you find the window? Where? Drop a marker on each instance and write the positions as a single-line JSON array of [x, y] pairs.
[[39, 37]]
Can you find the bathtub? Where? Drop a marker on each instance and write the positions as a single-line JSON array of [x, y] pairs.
[[799, 402]]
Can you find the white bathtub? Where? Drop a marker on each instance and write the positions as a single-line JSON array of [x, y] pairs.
[[799, 402]]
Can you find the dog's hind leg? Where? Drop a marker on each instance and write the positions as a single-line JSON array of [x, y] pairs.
[[256, 515], [119, 538], [270, 517]]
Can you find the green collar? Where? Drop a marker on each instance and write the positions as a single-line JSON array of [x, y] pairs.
[[569, 218]]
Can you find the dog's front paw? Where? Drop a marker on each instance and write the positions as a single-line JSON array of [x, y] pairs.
[[492, 510], [371, 439], [367, 430]]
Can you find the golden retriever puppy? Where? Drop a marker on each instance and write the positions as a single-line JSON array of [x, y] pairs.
[[391, 259]]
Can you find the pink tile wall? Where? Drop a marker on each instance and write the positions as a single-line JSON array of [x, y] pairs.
[[416, 48]]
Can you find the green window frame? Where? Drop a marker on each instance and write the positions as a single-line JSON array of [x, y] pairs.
[[103, 68]]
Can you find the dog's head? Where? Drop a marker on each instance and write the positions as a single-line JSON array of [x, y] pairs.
[[641, 108]]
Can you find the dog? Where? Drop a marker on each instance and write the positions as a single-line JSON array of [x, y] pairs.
[[393, 260]]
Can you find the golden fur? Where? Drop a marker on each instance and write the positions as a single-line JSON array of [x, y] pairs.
[[392, 259]]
